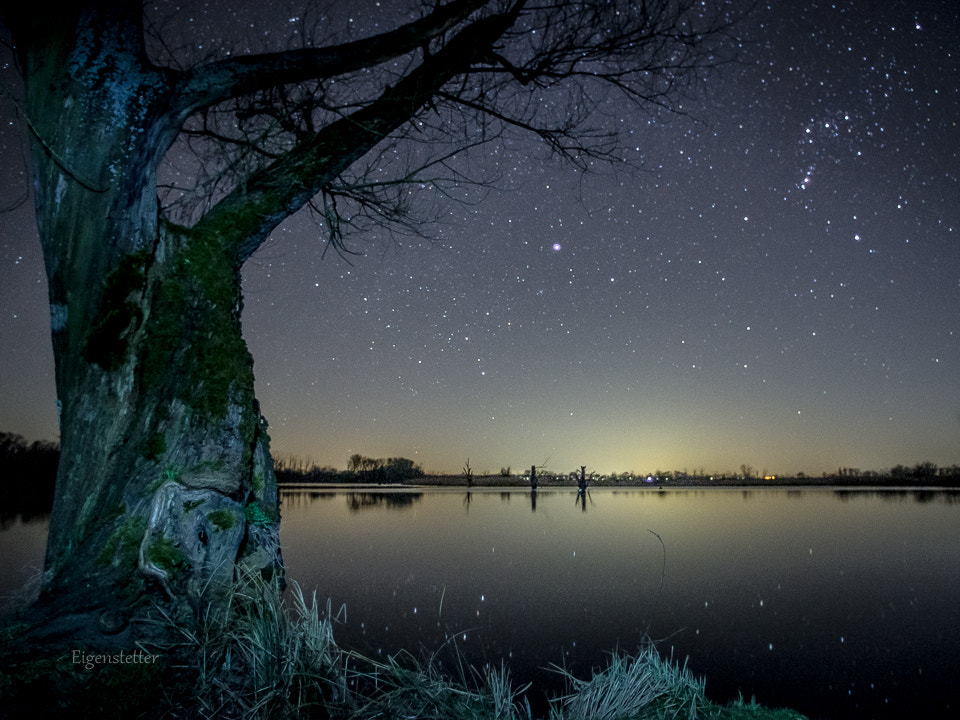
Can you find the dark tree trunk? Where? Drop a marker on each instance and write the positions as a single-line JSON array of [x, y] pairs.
[[165, 488], [165, 480]]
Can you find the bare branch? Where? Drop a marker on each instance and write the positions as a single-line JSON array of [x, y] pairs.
[[480, 71], [210, 84], [286, 185]]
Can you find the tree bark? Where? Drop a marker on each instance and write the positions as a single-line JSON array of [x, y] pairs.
[[165, 487]]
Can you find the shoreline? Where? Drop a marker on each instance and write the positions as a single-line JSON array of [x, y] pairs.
[[558, 483]]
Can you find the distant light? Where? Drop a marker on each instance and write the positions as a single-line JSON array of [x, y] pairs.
[[556, 247]]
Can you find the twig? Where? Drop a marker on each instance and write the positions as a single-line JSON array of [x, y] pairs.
[[663, 570]]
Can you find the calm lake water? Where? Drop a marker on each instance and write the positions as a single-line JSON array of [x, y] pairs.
[[838, 604]]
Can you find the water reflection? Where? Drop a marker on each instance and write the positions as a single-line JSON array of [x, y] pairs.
[[797, 597], [837, 603], [582, 496], [358, 501], [301, 499], [948, 497]]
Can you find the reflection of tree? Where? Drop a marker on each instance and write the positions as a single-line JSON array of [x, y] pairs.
[[304, 498], [925, 495], [28, 474], [582, 497], [357, 501]]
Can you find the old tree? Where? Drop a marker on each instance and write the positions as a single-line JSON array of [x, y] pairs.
[[165, 491]]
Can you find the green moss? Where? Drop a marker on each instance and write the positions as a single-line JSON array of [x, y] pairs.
[[222, 519], [166, 556], [126, 540], [255, 514], [195, 350], [258, 481]]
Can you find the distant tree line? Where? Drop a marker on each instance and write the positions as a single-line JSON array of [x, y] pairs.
[[926, 473], [360, 469], [392, 470], [921, 474], [28, 474]]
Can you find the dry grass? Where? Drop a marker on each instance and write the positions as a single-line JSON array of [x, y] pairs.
[[264, 660], [640, 686], [258, 659]]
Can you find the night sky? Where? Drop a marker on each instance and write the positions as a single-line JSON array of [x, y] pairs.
[[778, 285]]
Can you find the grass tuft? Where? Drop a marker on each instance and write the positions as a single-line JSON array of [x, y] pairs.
[[266, 659], [640, 686], [259, 658]]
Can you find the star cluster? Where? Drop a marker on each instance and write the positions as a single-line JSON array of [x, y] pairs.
[[777, 285]]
